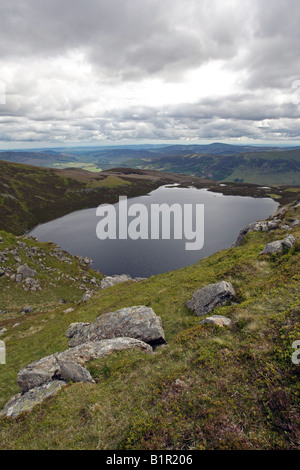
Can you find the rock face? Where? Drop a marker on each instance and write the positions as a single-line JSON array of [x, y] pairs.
[[138, 322], [278, 245], [205, 300], [218, 320], [26, 401], [260, 226], [48, 368]]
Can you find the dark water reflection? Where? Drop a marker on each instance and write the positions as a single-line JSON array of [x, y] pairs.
[[224, 216]]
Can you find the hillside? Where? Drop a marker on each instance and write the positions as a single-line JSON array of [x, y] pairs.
[[30, 195], [208, 388], [217, 161], [260, 167]]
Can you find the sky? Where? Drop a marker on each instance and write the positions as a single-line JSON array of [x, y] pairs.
[[101, 72]]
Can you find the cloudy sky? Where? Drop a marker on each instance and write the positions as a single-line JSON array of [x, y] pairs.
[[136, 71]]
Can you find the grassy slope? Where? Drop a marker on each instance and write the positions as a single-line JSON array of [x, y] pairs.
[[239, 387]]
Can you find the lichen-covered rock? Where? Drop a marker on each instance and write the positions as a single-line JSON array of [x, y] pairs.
[[139, 322], [38, 373], [27, 401], [48, 368], [218, 320], [205, 300]]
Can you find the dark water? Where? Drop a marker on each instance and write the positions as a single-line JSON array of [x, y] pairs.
[[224, 216]]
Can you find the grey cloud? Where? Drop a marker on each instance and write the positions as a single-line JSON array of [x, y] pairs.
[[126, 38], [133, 40]]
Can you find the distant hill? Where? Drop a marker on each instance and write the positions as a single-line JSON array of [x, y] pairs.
[[258, 167], [217, 161]]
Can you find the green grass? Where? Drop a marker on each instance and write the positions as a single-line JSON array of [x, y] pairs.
[[109, 182], [238, 388], [81, 165]]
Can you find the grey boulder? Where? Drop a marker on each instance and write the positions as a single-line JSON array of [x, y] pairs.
[[205, 300], [278, 245], [289, 241], [25, 271], [72, 372], [139, 322], [273, 247], [218, 320]]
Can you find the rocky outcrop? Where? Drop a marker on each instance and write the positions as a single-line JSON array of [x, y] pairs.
[[218, 320], [139, 322], [110, 281], [260, 226], [44, 378], [288, 242], [48, 368], [278, 245], [26, 272], [205, 300], [87, 295], [27, 401], [295, 223]]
